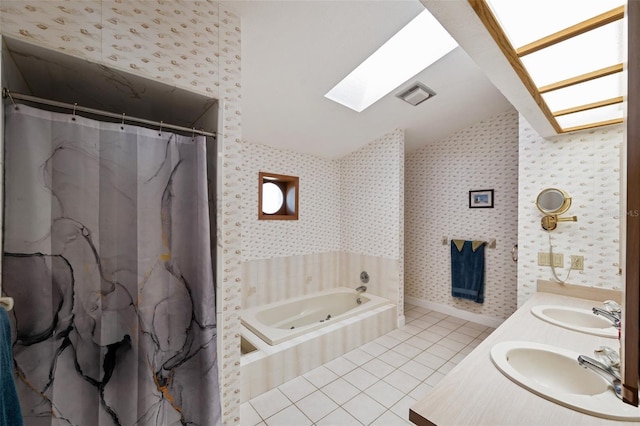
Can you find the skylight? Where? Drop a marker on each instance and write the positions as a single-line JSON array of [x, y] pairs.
[[412, 49], [568, 53]]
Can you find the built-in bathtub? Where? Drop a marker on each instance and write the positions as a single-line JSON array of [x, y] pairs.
[[306, 347], [281, 321]]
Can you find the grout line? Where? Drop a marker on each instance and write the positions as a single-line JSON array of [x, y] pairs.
[[485, 331]]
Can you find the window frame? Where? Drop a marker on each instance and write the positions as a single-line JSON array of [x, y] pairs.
[[289, 210]]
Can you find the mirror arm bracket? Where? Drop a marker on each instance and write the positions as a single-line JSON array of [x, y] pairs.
[[550, 222]]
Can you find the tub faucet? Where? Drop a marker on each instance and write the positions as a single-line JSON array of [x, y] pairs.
[[361, 289], [608, 373], [614, 316]]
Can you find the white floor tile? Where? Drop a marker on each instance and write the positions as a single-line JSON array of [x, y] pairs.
[[248, 415], [419, 343], [339, 417], [439, 315], [430, 360], [402, 381], [393, 358], [316, 406], [341, 366], [389, 418], [412, 329], [439, 330], [290, 416], [430, 336], [417, 370], [445, 369], [297, 388], [340, 391], [399, 334], [364, 408], [434, 379], [358, 357], [420, 391], [401, 409], [384, 393], [378, 368], [360, 378], [320, 376], [373, 348], [449, 343], [420, 323], [376, 383], [469, 330], [441, 351], [387, 341], [461, 337], [407, 350], [270, 403]]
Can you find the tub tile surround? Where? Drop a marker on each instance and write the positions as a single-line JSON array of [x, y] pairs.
[[586, 165], [203, 56], [375, 383], [438, 180], [271, 366], [305, 274]]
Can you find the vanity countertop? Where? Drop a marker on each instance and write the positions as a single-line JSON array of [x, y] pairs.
[[476, 393]]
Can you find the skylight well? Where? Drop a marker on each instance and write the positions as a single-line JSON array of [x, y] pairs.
[[412, 49], [572, 52]]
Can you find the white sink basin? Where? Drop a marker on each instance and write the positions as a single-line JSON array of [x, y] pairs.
[[554, 374], [582, 320]]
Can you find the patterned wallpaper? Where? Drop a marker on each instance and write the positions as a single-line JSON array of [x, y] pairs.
[[587, 166], [438, 180], [340, 206], [317, 229], [370, 196], [189, 44]]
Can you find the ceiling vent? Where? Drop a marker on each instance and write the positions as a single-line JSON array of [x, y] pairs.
[[416, 94]]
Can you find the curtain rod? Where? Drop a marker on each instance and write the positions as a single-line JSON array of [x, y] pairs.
[[11, 95]]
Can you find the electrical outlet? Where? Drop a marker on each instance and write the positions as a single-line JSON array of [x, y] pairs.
[[558, 260], [577, 263], [543, 259]]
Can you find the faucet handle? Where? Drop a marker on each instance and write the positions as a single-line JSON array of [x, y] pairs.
[[608, 356], [612, 306]]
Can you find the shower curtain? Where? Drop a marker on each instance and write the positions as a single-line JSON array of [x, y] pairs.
[[107, 256]]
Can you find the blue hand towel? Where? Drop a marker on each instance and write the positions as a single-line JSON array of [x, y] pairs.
[[467, 271], [10, 414]]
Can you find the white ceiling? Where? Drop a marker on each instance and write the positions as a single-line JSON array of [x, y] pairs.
[[293, 52]]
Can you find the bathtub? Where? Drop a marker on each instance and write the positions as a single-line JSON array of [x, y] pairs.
[[281, 321]]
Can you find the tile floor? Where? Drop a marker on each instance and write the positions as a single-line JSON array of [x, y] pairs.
[[376, 383]]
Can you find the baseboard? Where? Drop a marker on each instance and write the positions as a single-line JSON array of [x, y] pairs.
[[401, 321], [450, 310]]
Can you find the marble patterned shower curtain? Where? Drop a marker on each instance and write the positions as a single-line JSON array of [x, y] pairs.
[[108, 258]]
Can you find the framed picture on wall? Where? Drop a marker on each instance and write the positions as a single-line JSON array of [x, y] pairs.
[[481, 199]]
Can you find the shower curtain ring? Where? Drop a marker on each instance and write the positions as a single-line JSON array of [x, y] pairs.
[[74, 111], [122, 126], [193, 133], [7, 93], [160, 130]]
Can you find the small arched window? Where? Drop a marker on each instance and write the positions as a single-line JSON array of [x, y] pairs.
[[277, 197]]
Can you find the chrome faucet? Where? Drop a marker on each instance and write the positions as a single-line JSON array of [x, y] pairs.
[[613, 316], [608, 373], [361, 289]]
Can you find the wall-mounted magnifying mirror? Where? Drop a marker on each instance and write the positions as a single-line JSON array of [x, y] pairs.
[[553, 202]]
